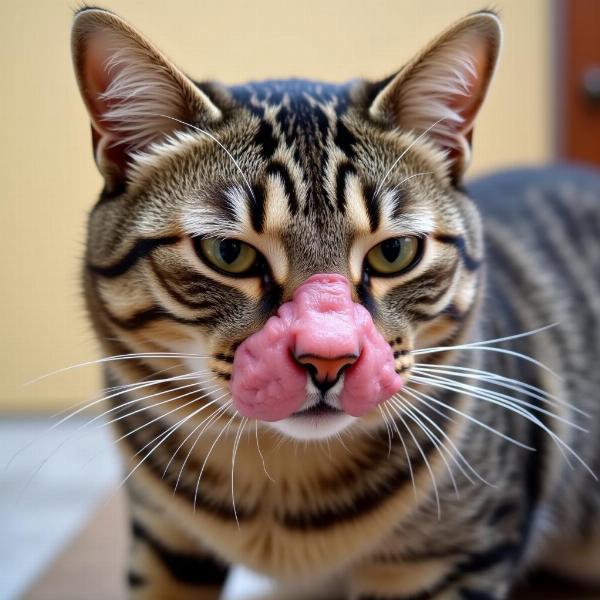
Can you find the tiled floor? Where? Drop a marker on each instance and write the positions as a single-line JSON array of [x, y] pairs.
[[49, 489], [52, 482], [59, 483]]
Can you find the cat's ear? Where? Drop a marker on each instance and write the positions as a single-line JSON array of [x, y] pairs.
[[441, 90], [135, 96]]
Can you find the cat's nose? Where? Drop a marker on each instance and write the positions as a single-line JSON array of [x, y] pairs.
[[325, 371]]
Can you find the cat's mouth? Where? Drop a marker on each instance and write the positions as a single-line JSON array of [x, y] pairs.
[[320, 409], [319, 420]]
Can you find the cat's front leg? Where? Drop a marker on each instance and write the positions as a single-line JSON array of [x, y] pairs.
[[478, 577], [166, 563]]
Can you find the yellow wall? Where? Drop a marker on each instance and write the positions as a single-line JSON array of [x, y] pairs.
[[48, 179]]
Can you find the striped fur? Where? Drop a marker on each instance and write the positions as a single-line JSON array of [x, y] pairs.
[[309, 174]]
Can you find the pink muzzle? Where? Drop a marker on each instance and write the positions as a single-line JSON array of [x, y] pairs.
[[322, 328]]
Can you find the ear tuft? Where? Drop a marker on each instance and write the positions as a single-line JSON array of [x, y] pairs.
[[441, 91], [135, 96]]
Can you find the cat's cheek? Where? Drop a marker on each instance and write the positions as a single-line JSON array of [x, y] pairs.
[[266, 383], [373, 378]]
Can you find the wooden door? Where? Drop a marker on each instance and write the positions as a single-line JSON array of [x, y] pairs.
[[577, 93]]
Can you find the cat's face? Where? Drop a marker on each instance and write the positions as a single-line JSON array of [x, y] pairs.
[[295, 240]]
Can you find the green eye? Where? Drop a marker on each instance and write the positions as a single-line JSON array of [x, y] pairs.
[[394, 255], [229, 255]]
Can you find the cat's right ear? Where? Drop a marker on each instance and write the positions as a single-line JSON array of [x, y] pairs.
[[135, 96]]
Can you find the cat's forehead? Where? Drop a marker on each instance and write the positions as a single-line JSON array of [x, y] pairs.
[[297, 163], [300, 103], [302, 140]]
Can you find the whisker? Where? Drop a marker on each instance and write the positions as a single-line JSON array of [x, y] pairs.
[[526, 357], [117, 357], [340, 439], [403, 154], [122, 405], [490, 397], [423, 397], [262, 458], [179, 423], [226, 426], [387, 427], [411, 177], [500, 380], [159, 417], [483, 345], [115, 388], [209, 389], [438, 445], [214, 139], [449, 439], [87, 405], [408, 461], [424, 457], [150, 452], [147, 378], [61, 445], [498, 396], [162, 433], [507, 338], [207, 423], [236, 443]]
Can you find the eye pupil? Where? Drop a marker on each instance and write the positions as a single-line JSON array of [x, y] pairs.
[[391, 249], [230, 250]]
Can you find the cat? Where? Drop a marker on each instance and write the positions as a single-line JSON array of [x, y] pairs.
[[316, 366]]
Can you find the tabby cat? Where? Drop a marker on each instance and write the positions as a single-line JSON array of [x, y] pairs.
[[309, 369]]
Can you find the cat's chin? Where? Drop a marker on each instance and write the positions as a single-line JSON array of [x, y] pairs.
[[307, 425]]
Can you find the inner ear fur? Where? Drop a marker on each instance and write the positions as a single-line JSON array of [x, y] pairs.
[[134, 95], [442, 89]]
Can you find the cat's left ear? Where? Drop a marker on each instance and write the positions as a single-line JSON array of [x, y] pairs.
[[441, 91]]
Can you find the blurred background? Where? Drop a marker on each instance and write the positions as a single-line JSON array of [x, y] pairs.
[[544, 105], [49, 179]]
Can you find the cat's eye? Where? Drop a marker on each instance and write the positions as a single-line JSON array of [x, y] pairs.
[[394, 255], [229, 255]]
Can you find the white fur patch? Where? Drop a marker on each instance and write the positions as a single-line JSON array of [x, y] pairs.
[[314, 427]]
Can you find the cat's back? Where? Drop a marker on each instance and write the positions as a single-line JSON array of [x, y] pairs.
[[548, 209], [542, 240], [542, 231], [542, 227]]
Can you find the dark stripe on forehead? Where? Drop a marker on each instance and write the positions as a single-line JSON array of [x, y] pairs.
[[220, 201], [322, 122], [278, 169], [141, 249], [344, 170], [265, 139], [345, 140], [257, 208], [470, 262], [399, 201], [372, 206]]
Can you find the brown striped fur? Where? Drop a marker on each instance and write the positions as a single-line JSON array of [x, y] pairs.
[[356, 514]]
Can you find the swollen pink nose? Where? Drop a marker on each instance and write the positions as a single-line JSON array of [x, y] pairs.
[[323, 330], [325, 335]]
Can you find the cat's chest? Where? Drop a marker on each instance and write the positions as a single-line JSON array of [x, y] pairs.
[[295, 511]]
